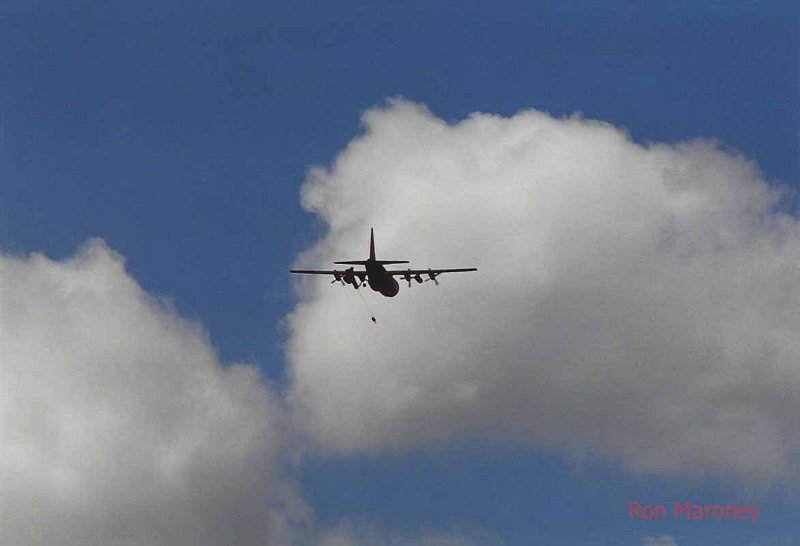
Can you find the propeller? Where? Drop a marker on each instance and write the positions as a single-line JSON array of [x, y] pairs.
[[432, 277], [407, 276], [349, 277]]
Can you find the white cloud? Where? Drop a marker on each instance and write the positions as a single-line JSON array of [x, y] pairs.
[[663, 540], [120, 427], [640, 303], [118, 424], [348, 534]]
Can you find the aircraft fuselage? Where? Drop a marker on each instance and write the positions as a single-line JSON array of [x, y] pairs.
[[380, 280]]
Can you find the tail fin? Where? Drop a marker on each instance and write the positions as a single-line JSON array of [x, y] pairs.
[[372, 251], [372, 255]]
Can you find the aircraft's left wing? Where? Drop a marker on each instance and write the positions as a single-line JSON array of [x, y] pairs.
[[348, 276], [336, 273]]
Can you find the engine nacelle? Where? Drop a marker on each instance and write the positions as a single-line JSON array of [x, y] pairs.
[[408, 276], [350, 278]]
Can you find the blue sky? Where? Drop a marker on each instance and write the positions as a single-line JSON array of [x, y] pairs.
[[181, 132]]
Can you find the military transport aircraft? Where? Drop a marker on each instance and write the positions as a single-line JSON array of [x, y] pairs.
[[379, 279]]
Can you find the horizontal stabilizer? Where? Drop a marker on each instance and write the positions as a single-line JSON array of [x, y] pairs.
[[364, 262]]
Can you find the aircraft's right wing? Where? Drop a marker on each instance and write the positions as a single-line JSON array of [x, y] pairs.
[[413, 272], [417, 274]]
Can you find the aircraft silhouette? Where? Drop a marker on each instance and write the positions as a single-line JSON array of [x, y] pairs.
[[379, 279]]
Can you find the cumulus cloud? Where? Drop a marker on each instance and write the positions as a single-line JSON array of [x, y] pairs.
[[348, 534], [663, 540], [640, 303], [118, 424]]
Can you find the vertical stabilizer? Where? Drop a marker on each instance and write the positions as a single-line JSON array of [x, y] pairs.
[[372, 255]]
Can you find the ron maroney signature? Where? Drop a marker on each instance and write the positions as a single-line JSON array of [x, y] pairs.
[[688, 510]]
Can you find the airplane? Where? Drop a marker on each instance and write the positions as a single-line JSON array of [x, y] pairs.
[[375, 274]]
